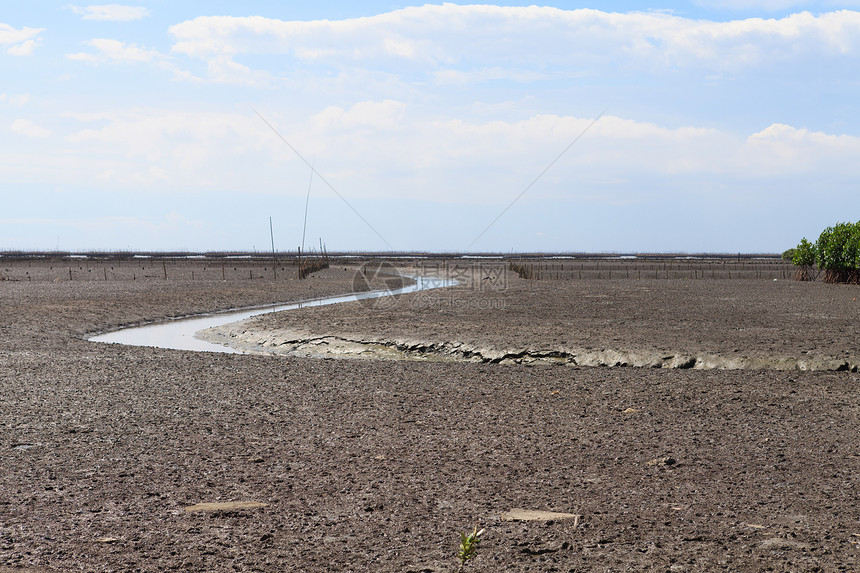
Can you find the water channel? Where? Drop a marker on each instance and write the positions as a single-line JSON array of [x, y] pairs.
[[179, 334]]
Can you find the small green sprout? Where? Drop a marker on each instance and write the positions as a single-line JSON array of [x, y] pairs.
[[469, 544]]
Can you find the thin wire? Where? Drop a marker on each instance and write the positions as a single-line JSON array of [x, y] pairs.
[[535, 180], [323, 179], [307, 201]]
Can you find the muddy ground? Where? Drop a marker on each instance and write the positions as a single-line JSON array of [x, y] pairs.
[[377, 465], [494, 316]]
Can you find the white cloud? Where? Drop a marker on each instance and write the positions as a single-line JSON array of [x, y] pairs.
[[767, 5], [19, 42], [384, 115], [29, 129], [223, 69], [776, 5], [384, 149], [783, 150], [111, 12], [455, 43], [24, 48], [108, 50], [146, 147], [15, 100], [457, 77], [390, 149]]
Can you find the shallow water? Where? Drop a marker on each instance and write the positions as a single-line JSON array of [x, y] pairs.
[[179, 334]]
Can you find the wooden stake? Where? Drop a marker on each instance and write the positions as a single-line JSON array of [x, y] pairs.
[[274, 261]]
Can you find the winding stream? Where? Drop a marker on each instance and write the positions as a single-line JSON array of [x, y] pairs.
[[179, 334]]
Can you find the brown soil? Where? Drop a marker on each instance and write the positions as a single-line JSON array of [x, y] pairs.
[[758, 324], [377, 465]]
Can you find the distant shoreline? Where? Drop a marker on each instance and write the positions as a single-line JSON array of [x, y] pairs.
[[352, 255]]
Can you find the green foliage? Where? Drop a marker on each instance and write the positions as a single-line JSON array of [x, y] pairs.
[[837, 247], [788, 255], [469, 544], [804, 254], [836, 253]]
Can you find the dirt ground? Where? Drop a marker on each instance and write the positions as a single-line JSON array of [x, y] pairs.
[[377, 465], [495, 316]]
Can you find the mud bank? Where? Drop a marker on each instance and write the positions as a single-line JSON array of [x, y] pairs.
[[302, 344], [685, 324]]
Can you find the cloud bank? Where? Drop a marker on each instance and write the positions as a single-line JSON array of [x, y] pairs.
[[19, 42], [480, 42], [111, 12]]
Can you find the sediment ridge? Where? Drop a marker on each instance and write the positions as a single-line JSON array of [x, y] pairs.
[[298, 343]]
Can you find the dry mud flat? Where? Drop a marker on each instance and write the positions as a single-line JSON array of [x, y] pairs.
[[493, 316], [108, 452]]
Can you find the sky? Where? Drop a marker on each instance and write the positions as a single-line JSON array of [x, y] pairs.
[[615, 127]]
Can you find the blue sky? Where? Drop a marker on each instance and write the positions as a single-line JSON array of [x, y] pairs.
[[724, 126]]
